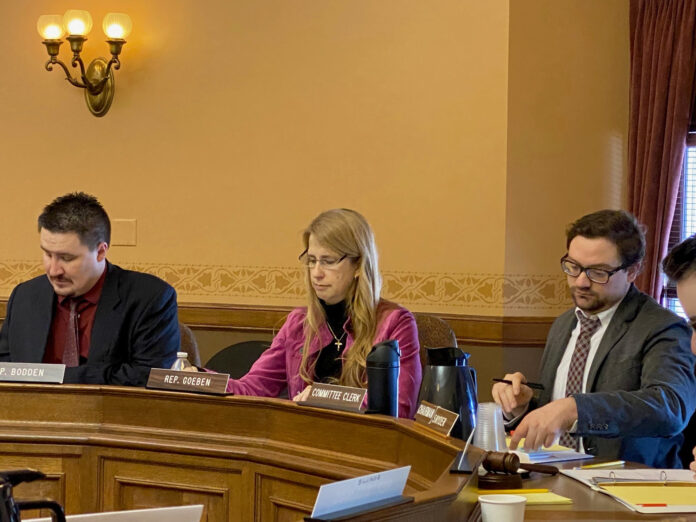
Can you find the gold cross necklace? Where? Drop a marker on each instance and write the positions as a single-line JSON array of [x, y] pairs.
[[338, 340]]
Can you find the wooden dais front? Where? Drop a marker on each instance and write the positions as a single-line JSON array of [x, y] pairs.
[[244, 458]]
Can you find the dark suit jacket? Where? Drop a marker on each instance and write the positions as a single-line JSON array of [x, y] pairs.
[[135, 328], [641, 386]]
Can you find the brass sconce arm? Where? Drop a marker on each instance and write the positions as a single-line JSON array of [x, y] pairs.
[[53, 61], [93, 87], [52, 47]]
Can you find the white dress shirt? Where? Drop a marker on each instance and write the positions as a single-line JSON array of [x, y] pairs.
[[559, 385], [561, 380]]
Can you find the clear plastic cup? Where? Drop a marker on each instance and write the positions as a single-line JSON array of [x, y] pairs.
[[490, 429]]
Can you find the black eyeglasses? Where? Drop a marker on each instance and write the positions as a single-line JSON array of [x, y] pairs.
[[327, 263], [596, 275]]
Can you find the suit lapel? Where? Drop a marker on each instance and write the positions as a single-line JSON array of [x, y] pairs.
[[618, 327], [36, 338], [106, 322]]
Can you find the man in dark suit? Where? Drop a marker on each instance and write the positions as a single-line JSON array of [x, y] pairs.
[[106, 324], [680, 267], [617, 371]]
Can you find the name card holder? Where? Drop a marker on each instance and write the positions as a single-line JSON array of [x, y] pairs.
[[196, 382], [32, 372], [333, 397], [360, 496], [435, 418]]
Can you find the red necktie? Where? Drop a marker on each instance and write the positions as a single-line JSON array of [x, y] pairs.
[[71, 350], [576, 371]]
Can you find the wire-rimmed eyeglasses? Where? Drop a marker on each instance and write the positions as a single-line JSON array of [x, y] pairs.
[[325, 262]]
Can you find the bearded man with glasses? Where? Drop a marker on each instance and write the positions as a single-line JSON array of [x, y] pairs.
[[617, 371]]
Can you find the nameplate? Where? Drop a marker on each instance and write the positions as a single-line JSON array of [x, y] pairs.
[[435, 418], [360, 495], [197, 382], [32, 372], [335, 397]]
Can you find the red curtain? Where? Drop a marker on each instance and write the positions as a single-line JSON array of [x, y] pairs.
[[663, 65]]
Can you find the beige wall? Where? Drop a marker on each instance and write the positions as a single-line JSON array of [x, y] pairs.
[[457, 127], [567, 134]]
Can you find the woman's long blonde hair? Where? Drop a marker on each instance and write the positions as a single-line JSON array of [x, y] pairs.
[[346, 232]]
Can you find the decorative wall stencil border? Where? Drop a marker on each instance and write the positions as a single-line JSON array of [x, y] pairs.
[[14, 272], [409, 288], [479, 290]]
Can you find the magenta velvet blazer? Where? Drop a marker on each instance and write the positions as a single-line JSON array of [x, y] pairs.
[[280, 364]]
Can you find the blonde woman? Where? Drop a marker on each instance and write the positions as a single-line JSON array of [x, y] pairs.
[[328, 340]]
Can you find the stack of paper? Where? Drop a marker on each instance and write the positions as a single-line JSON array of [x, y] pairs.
[[555, 453]]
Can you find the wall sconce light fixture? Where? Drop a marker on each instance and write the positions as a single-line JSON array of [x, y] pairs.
[[98, 79]]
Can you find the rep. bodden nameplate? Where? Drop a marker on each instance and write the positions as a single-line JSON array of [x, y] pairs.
[[32, 372], [197, 382]]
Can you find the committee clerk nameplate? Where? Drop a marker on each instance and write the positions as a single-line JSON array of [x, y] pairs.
[[335, 397]]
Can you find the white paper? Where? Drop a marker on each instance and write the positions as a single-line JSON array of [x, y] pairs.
[[346, 494], [586, 476], [545, 456]]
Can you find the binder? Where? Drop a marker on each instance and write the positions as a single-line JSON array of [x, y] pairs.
[[643, 490]]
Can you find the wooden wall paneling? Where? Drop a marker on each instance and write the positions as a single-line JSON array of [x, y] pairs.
[[58, 463], [284, 495], [140, 479], [494, 330], [474, 329]]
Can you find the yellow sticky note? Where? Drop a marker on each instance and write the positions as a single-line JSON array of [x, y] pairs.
[[546, 498]]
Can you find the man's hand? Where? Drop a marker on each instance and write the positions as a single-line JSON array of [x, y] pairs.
[[515, 397], [543, 425], [692, 466]]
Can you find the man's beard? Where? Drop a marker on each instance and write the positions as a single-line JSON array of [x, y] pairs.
[[590, 302]]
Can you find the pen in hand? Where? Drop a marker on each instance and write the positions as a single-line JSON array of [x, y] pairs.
[[533, 385]]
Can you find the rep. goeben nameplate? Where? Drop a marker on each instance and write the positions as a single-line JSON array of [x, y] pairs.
[[335, 397], [197, 382], [32, 372]]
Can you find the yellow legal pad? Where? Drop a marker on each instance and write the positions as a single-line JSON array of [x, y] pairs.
[[532, 498]]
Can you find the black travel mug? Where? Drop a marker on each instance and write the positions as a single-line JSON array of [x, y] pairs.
[[383, 378]]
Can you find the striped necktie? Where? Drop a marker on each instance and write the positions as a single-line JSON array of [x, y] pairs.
[[71, 350], [576, 371]]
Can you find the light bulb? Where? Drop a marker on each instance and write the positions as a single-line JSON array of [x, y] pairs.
[[50, 27], [77, 23], [117, 26]]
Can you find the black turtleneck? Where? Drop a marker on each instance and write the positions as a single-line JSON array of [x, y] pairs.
[[329, 363]]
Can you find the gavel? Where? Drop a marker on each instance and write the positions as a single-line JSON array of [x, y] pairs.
[[501, 462]]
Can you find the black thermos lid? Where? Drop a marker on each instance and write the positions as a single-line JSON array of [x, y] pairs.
[[384, 355]]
